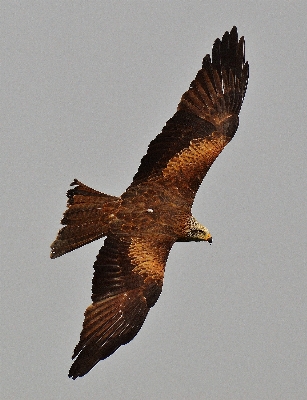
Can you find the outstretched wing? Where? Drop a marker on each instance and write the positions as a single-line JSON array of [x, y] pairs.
[[205, 121], [127, 281]]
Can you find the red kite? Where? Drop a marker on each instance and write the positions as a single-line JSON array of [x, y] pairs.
[[154, 212]]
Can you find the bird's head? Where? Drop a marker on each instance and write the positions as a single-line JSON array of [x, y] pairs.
[[196, 232]]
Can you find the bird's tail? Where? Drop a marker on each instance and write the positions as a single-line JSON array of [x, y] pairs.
[[86, 219]]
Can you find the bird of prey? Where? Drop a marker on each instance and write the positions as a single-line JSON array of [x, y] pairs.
[[154, 212]]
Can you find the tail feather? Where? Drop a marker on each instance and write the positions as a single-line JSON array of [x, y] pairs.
[[86, 219]]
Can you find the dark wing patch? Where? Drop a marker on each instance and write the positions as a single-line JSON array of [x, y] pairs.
[[86, 219], [127, 281], [210, 106]]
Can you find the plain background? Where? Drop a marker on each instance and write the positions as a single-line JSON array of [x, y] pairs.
[[86, 86]]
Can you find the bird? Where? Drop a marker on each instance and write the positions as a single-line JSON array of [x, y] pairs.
[[141, 226]]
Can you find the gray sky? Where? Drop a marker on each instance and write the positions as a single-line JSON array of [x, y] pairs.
[[87, 85]]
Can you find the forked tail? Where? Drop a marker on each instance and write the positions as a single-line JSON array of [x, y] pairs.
[[86, 219]]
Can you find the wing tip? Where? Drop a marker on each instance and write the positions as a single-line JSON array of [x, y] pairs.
[[219, 87]]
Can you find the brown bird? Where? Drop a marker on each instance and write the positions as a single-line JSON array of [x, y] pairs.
[[154, 212]]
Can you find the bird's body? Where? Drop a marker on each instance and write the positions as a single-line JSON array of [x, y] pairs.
[[155, 210]]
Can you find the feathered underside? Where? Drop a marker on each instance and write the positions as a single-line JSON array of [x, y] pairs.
[[155, 211]]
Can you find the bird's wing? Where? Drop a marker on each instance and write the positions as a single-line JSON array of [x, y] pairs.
[[205, 121], [127, 281]]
